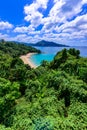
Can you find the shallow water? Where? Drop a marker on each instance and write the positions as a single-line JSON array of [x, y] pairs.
[[48, 53]]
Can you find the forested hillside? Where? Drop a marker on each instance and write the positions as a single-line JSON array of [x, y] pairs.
[[50, 97], [16, 49], [48, 44]]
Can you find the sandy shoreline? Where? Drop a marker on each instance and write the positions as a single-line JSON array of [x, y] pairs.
[[26, 59]]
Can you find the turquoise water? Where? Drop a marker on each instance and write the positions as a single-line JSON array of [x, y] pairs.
[[38, 58], [48, 53]]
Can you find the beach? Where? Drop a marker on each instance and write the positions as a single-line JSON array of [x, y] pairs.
[[26, 60]]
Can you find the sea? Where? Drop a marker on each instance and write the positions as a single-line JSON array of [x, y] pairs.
[[48, 53]]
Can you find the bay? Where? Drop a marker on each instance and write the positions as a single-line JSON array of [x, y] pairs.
[[48, 53]]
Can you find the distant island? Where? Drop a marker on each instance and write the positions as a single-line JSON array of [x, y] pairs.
[[44, 43]]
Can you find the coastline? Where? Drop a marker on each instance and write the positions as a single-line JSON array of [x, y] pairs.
[[26, 59]]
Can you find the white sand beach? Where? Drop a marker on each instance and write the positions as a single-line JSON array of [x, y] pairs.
[[26, 60]]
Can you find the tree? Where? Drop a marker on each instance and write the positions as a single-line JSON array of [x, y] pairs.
[[77, 54], [74, 52], [2, 41], [64, 55], [67, 97], [8, 93], [45, 63], [83, 73]]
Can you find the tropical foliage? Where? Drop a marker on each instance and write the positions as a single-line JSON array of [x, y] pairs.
[[50, 97]]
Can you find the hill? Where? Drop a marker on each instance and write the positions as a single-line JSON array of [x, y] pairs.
[[44, 43], [51, 97], [16, 49]]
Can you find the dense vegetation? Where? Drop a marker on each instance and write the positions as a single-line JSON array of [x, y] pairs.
[[14, 49], [50, 97]]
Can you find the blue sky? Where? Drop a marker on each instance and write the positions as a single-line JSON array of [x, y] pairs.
[[61, 21]]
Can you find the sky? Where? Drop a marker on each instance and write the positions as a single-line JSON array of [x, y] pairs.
[[60, 21]]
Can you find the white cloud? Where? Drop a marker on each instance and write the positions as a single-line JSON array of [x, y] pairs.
[[74, 25], [83, 26], [24, 29], [42, 3], [62, 11], [3, 36], [84, 1], [32, 12], [26, 38], [67, 8], [28, 30], [5, 25], [33, 15]]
